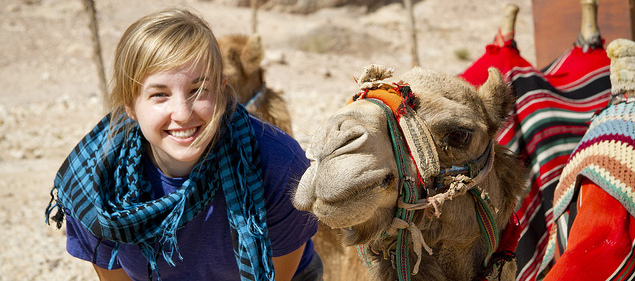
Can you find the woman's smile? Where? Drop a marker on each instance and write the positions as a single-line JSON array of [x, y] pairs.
[[183, 133]]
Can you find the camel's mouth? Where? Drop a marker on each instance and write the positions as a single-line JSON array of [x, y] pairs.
[[356, 205]]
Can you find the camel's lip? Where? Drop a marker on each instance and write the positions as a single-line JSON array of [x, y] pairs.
[[351, 209], [356, 186], [343, 218], [358, 193]]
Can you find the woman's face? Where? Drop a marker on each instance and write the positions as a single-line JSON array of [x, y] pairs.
[[171, 116]]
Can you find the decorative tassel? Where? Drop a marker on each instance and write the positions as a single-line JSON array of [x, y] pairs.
[[149, 253], [172, 224], [58, 218], [113, 256]]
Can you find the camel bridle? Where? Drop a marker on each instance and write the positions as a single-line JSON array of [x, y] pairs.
[[411, 138], [256, 100]]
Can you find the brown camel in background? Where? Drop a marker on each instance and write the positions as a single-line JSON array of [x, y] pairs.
[[242, 56]]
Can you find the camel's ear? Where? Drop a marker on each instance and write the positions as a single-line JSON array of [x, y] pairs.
[[497, 97], [252, 54]]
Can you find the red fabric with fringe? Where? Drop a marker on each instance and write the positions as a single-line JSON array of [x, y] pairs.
[[503, 58], [600, 243]]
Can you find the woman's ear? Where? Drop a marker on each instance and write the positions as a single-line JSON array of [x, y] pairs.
[[224, 81], [130, 113]]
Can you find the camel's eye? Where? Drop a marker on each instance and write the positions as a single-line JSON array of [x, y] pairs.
[[459, 137]]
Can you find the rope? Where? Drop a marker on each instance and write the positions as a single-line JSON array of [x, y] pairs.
[[417, 239], [408, 194]]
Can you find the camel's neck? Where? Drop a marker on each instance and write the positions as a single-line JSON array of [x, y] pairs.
[[465, 252]]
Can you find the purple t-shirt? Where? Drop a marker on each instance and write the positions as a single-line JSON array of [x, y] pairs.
[[205, 243]]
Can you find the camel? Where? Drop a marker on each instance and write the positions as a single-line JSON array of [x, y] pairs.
[[409, 206], [242, 56]]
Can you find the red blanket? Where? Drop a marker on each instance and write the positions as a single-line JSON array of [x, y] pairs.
[[550, 117], [600, 241]]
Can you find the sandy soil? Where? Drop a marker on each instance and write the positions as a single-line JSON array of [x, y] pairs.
[[50, 97]]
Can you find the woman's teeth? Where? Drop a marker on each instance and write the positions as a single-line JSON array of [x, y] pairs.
[[182, 134]]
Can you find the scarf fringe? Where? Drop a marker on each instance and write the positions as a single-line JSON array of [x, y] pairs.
[[254, 220], [113, 256], [58, 218], [169, 233]]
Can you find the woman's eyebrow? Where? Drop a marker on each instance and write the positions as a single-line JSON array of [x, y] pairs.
[[194, 81], [199, 79], [158, 86]]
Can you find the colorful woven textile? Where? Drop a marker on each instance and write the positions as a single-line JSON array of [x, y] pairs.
[[553, 116], [550, 117], [599, 238], [605, 158], [100, 185]]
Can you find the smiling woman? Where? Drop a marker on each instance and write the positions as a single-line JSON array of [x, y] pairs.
[[178, 182], [172, 110]]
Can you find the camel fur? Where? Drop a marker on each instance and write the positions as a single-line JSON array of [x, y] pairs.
[[242, 56], [353, 182]]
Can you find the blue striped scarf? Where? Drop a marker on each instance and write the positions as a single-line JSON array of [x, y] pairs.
[[101, 182]]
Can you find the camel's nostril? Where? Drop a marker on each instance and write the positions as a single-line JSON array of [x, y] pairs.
[[351, 139], [388, 181]]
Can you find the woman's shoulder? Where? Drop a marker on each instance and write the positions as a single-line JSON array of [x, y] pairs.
[[274, 142], [282, 158]]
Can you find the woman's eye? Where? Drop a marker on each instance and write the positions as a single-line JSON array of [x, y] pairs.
[[158, 95], [459, 137], [197, 90]]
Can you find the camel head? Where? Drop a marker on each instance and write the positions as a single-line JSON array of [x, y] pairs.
[[354, 181], [242, 55]]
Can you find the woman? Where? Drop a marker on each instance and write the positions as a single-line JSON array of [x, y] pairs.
[[177, 182]]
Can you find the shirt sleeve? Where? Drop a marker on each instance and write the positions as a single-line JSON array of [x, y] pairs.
[[82, 244]]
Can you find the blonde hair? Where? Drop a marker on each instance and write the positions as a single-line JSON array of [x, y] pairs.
[[162, 41]]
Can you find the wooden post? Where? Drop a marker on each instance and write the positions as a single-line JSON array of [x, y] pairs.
[[254, 16], [89, 6], [414, 51], [508, 24], [589, 24]]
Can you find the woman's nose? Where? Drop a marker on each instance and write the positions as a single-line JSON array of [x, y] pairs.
[[181, 109]]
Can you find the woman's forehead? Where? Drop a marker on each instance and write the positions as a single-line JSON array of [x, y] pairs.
[[194, 72]]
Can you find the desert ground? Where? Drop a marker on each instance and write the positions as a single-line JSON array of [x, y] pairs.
[[50, 95]]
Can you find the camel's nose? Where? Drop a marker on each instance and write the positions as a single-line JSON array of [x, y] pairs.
[[342, 134]]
